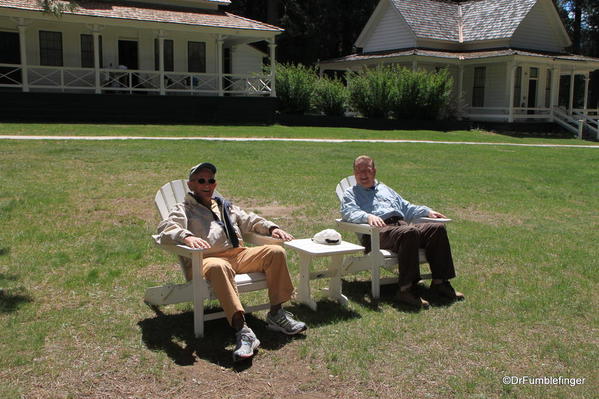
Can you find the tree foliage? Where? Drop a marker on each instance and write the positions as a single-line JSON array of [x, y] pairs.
[[57, 7], [581, 18]]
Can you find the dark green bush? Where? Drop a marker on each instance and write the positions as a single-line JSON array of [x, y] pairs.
[[330, 96], [420, 95], [403, 93], [295, 87], [370, 90]]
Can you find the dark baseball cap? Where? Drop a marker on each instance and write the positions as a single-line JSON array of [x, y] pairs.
[[200, 166]]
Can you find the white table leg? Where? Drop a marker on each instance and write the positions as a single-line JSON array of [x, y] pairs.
[[335, 280], [303, 294]]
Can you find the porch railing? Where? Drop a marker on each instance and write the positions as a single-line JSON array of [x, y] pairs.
[[46, 78]]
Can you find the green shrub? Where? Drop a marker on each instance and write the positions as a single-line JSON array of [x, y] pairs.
[[397, 91], [295, 87], [420, 95], [330, 96], [370, 91]]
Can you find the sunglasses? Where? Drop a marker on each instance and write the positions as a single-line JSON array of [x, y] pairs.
[[204, 181]]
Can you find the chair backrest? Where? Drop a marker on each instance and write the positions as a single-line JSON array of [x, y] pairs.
[[171, 194], [343, 185]]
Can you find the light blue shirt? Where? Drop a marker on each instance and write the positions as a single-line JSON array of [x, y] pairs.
[[381, 201]]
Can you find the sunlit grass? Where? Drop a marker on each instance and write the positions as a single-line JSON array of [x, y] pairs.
[[75, 258]]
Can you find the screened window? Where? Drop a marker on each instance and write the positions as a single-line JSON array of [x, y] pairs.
[[196, 57], [169, 55], [50, 48], [87, 51], [478, 90]]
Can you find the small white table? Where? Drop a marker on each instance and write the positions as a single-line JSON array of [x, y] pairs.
[[308, 250]]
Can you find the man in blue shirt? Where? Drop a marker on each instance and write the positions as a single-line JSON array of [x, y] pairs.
[[378, 205]]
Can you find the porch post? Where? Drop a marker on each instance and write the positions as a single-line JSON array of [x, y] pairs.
[[511, 70], [586, 93], [23, 50], [571, 102], [460, 91], [96, 38], [219, 63], [161, 61], [273, 65], [555, 77]]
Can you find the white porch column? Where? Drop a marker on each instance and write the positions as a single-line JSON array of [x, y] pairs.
[[554, 89], [96, 38], [219, 63], [587, 78], [571, 102], [161, 61], [511, 71], [23, 50], [460, 91], [273, 63]]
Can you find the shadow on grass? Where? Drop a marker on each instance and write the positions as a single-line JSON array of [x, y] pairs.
[[11, 299], [173, 334], [360, 292]]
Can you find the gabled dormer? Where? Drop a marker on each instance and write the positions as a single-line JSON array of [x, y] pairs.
[[464, 26]]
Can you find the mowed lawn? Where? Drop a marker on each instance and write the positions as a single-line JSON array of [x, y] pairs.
[[76, 256]]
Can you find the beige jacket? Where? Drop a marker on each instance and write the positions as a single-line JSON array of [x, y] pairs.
[[192, 218]]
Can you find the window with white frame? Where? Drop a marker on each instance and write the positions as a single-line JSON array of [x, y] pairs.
[[50, 48], [196, 57], [478, 88]]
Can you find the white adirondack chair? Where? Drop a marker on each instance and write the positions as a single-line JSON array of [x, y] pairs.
[[198, 289], [377, 258]]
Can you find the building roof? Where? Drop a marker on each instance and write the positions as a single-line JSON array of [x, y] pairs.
[[459, 55], [465, 21], [152, 13]]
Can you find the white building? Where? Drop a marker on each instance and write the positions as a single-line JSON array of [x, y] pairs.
[[507, 57], [136, 47]]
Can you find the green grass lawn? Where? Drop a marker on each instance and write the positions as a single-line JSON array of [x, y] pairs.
[[76, 257]]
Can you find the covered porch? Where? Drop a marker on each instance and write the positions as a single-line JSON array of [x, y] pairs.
[[135, 49], [504, 85]]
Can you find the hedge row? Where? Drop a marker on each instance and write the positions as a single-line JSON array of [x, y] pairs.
[[382, 92]]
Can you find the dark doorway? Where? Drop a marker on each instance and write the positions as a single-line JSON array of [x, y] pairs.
[[10, 53], [532, 95], [128, 58]]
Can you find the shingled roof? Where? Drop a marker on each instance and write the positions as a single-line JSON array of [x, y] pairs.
[[464, 21], [152, 13]]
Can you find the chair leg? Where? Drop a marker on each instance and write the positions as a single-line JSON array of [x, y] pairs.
[[198, 298], [376, 282]]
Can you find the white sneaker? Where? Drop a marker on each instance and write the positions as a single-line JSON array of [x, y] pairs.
[[247, 343], [283, 322]]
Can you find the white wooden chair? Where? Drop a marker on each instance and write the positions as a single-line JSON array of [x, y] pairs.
[[198, 289], [377, 258]]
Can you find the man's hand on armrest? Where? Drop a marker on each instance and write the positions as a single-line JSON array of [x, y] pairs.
[[281, 234], [195, 242], [436, 215], [376, 221]]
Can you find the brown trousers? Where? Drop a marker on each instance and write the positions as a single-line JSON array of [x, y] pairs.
[[406, 239], [220, 270]]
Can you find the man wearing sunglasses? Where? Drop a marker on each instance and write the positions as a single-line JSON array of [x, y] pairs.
[[378, 205], [204, 220]]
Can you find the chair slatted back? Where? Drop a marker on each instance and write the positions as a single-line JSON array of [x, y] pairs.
[[170, 194], [343, 185]]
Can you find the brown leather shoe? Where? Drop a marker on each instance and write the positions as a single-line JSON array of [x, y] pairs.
[[445, 290], [408, 297]]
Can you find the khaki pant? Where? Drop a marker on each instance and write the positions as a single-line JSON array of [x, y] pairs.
[[220, 270]]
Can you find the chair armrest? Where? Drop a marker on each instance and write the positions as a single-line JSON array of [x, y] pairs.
[[431, 220], [259, 239], [361, 228], [179, 249]]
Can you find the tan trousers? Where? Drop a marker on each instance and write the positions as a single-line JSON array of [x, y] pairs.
[[220, 270]]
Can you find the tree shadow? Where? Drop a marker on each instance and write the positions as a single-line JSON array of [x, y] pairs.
[[11, 299]]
